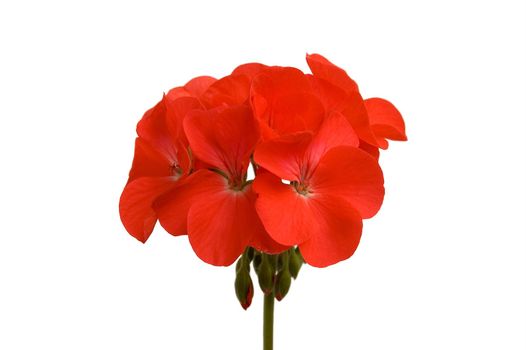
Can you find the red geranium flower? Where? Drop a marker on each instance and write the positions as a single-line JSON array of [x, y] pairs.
[[218, 202], [333, 185], [374, 120], [161, 162]]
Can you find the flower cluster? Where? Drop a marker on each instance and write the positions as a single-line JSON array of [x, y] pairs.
[[313, 143]]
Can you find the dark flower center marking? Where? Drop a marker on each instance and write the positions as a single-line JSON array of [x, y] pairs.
[[175, 170], [301, 187]]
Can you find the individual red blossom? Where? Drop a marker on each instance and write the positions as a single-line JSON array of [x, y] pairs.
[[284, 102], [161, 162], [374, 120], [218, 203], [333, 186], [339, 92]]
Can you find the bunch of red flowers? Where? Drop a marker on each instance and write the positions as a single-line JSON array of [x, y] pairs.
[[313, 143]]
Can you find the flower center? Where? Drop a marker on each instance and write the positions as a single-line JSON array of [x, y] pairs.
[[175, 170], [237, 184], [301, 187]]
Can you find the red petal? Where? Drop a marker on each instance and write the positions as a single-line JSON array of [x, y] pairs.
[[264, 243], [224, 139], [372, 150], [261, 240], [324, 69], [161, 127], [249, 69], [355, 112], [147, 161], [336, 235], [136, 201], [153, 128], [283, 156], [352, 174], [172, 208], [295, 112], [267, 133], [194, 88], [221, 224], [332, 96], [335, 131], [229, 91], [385, 119], [176, 112], [197, 86], [272, 84], [178, 92], [286, 215]]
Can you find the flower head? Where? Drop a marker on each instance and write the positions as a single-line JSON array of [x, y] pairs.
[[313, 142]]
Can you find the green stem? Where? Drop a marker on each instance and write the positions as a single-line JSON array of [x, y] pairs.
[[268, 321]]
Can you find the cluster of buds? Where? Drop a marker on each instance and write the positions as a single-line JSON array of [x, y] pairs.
[[274, 272]]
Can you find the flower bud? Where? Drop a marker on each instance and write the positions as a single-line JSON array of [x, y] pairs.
[[265, 274], [272, 259], [249, 252], [256, 262], [295, 262], [281, 288], [283, 261], [244, 288], [242, 265]]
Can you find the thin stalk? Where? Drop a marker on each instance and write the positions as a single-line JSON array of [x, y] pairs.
[[268, 322]]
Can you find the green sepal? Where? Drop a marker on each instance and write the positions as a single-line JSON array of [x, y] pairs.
[[295, 262], [282, 285], [265, 274]]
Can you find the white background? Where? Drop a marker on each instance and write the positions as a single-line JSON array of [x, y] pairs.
[[442, 266]]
